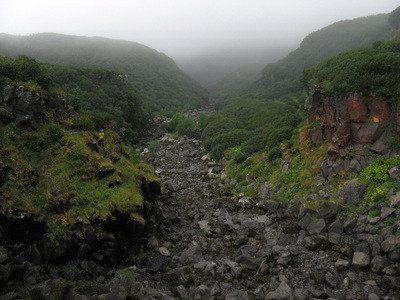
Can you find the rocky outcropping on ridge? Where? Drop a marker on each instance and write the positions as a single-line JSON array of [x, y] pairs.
[[358, 129], [28, 109]]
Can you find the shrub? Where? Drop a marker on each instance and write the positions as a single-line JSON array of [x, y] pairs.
[[275, 153], [83, 123], [186, 126], [202, 120], [173, 124], [240, 157], [55, 132]]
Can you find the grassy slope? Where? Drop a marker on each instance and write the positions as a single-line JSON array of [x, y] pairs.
[[54, 168]]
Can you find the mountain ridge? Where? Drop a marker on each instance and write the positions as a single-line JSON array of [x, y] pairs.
[[159, 80]]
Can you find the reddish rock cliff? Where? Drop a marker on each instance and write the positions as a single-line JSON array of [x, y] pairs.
[[353, 124]]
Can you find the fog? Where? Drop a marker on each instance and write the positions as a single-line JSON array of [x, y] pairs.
[[188, 30]]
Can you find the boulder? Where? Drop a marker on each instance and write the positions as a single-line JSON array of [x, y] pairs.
[[395, 174], [361, 259], [105, 171], [317, 226], [328, 211], [352, 192], [391, 243]]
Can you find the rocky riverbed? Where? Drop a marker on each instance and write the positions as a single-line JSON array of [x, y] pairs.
[[210, 244]]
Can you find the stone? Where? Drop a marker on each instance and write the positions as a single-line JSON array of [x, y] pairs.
[[49, 289], [156, 264], [237, 295], [353, 192], [204, 226], [360, 259], [395, 174], [316, 242], [105, 171], [164, 251], [328, 211], [378, 263], [190, 255], [355, 165], [248, 262], [395, 200], [317, 226], [341, 265], [391, 243], [386, 212], [336, 227]]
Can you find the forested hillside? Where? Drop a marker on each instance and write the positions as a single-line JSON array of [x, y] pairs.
[[282, 77], [105, 95], [280, 87], [163, 86]]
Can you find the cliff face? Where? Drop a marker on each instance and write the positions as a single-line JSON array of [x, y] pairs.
[[358, 130], [28, 109]]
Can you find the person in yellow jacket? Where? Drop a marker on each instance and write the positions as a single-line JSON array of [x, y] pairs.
[[101, 138]]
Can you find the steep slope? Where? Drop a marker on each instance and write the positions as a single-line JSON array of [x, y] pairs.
[[161, 83], [279, 87], [282, 77]]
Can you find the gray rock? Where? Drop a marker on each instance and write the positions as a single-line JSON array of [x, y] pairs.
[[336, 227], [263, 192], [391, 243], [395, 200], [248, 262], [316, 242], [355, 165], [378, 263], [191, 255], [49, 290], [341, 265], [237, 295], [157, 263], [387, 211], [395, 174], [360, 259], [395, 255], [305, 221], [349, 225], [352, 192], [317, 226], [164, 251]]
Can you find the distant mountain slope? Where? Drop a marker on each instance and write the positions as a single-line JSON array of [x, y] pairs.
[[263, 115], [281, 77], [161, 83]]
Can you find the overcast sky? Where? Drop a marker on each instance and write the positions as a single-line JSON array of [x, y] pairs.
[[185, 27]]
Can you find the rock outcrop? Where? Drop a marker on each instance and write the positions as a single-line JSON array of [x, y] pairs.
[[358, 128], [28, 109]]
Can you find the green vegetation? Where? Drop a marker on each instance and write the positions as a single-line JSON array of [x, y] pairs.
[[297, 180], [54, 175], [365, 70], [24, 69], [109, 100], [252, 124], [181, 124], [376, 177], [281, 77], [164, 88]]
